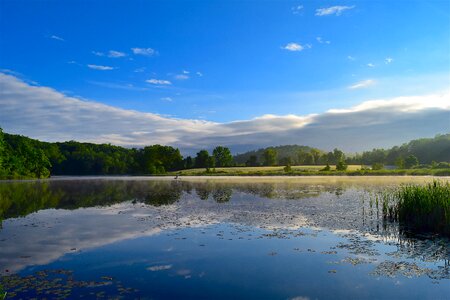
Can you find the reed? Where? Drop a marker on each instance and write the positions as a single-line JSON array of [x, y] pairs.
[[2, 293], [420, 207]]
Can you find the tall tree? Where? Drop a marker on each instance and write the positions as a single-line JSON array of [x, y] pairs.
[[252, 161], [201, 160], [223, 156], [411, 161], [270, 157]]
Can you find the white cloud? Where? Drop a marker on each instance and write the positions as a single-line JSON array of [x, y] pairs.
[[349, 57], [370, 65], [168, 99], [144, 51], [332, 10], [55, 37], [139, 70], [293, 47], [97, 53], [404, 104], [181, 77], [158, 81], [200, 74], [297, 9], [53, 116], [115, 54], [362, 84], [185, 72], [159, 268], [101, 68], [121, 86], [388, 60], [322, 41]]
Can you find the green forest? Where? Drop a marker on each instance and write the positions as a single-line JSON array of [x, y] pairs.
[[23, 157]]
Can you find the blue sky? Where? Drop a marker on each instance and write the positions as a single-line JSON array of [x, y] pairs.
[[223, 61]]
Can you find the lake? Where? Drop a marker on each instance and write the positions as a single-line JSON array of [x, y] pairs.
[[217, 238]]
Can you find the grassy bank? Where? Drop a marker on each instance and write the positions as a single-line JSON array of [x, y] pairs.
[[420, 207], [352, 170]]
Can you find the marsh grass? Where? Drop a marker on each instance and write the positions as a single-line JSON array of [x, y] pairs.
[[420, 207], [2, 293]]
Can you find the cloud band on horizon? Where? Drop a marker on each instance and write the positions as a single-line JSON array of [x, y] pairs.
[[49, 115]]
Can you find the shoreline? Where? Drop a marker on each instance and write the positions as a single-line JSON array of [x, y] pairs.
[[220, 177]]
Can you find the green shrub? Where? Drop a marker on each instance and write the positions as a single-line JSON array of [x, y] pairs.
[[341, 166], [327, 168], [377, 166]]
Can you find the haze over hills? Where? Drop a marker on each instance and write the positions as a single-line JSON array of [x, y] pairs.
[[425, 149]]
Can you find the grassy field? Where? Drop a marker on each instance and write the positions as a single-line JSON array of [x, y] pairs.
[[352, 170], [243, 170]]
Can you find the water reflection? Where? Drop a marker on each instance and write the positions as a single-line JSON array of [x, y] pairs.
[[75, 215], [22, 198]]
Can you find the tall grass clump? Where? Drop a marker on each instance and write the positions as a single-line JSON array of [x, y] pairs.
[[2, 293], [421, 207]]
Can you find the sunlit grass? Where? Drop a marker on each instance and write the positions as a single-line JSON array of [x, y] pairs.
[[243, 170], [307, 170]]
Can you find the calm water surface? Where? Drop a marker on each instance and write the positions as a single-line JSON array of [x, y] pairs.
[[215, 238]]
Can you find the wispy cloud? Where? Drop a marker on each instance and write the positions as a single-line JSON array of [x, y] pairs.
[[388, 60], [121, 86], [185, 72], [297, 9], [168, 99], [293, 47], [332, 10], [98, 53], [362, 84], [101, 68], [58, 38], [370, 65], [320, 40], [199, 74], [115, 54], [53, 116], [181, 77], [144, 51], [349, 57], [158, 81]]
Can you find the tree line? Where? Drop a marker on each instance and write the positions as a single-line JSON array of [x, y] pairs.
[[426, 152], [23, 157]]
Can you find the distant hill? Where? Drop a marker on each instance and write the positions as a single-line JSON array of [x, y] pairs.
[[283, 151], [426, 150]]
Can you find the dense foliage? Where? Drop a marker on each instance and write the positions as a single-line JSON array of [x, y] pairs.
[[257, 156], [22, 157], [408, 155]]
